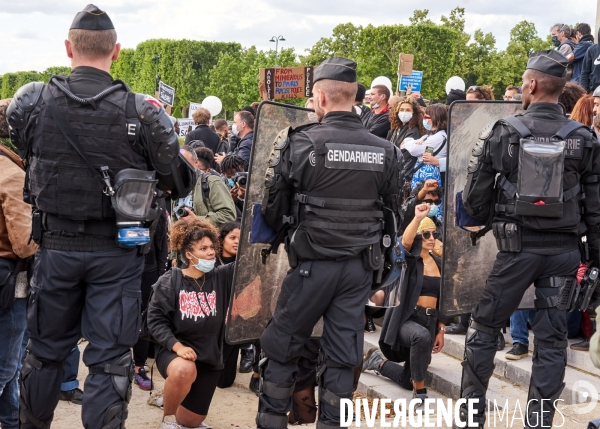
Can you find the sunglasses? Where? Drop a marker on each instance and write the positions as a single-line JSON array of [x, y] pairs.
[[427, 235], [475, 88], [436, 202]]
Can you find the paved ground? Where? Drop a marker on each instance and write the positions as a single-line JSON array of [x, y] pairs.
[[236, 408]]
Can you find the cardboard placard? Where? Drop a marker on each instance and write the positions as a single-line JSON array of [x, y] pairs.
[[193, 108], [286, 82], [405, 64], [166, 94], [185, 126], [415, 81]]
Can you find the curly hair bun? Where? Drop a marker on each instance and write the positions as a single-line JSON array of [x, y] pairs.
[[185, 233]]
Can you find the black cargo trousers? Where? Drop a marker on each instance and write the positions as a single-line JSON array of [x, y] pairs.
[[510, 277], [336, 291], [73, 294]]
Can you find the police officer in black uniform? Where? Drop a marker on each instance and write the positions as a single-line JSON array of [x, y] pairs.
[[76, 134], [545, 197], [328, 185]]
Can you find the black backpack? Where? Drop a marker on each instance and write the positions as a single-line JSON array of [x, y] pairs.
[[176, 279]]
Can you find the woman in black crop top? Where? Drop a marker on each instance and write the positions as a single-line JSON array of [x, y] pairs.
[[186, 317], [412, 331]]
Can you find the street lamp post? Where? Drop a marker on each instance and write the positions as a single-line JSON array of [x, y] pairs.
[[278, 39], [156, 59]]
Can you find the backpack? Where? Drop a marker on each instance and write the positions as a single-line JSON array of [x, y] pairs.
[[176, 279], [206, 191], [538, 191]]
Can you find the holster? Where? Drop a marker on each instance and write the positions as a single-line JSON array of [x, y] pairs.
[[37, 228], [372, 257], [292, 256], [508, 236]]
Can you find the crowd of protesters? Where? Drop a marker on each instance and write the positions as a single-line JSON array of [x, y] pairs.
[[196, 244]]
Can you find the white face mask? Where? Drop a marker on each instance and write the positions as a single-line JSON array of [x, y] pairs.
[[234, 130], [405, 116]]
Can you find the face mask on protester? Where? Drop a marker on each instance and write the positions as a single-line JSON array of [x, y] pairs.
[[376, 105], [234, 130], [405, 116], [426, 125], [433, 211], [204, 265], [555, 41]]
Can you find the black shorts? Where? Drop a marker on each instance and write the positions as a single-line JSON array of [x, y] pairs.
[[203, 388]]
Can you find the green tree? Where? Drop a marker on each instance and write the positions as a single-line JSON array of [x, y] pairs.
[[506, 67]]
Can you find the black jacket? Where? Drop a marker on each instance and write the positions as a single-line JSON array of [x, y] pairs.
[[398, 135], [195, 318], [590, 71], [209, 137], [311, 164], [379, 124], [410, 291], [244, 147], [364, 113], [500, 154]]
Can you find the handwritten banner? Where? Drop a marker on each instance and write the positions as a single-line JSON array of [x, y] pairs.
[[286, 82]]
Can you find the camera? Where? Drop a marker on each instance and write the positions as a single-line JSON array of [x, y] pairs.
[[241, 179], [183, 203]]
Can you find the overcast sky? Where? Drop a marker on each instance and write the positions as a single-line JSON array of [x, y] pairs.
[[33, 31]]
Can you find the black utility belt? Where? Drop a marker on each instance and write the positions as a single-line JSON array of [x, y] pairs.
[[100, 228], [512, 237]]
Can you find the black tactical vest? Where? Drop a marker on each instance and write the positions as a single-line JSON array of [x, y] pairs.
[[339, 212], [60, 181], [578, 144]]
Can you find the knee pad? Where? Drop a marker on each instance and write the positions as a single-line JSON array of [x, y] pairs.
[[278, 390], [473, 385], [122, 373], [54, 376], [540, 410], [327, 397]]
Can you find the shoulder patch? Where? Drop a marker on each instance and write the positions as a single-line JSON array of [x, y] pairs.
[[281, 140], [486, 131]]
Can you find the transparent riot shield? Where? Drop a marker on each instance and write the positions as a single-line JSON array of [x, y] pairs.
[[466, 267], [258, 275]]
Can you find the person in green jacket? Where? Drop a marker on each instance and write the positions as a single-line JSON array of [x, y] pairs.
[[211, 199]]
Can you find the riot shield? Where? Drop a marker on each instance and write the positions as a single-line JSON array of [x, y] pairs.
[[258, 275], [465, 267]]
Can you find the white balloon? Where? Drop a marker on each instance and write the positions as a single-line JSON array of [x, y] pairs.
[[382, 80], [213, 105], [455, 82]]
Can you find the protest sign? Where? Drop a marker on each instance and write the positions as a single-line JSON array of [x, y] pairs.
[[286, 82], [412, 82], [193, 108], [166, 94], [405, 64], [185, 126]]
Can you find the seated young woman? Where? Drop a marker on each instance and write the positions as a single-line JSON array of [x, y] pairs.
[[412, 331], [187, 320]]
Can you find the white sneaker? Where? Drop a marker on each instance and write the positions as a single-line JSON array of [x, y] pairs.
[[202, 426], [156, 399], [169, 425]]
